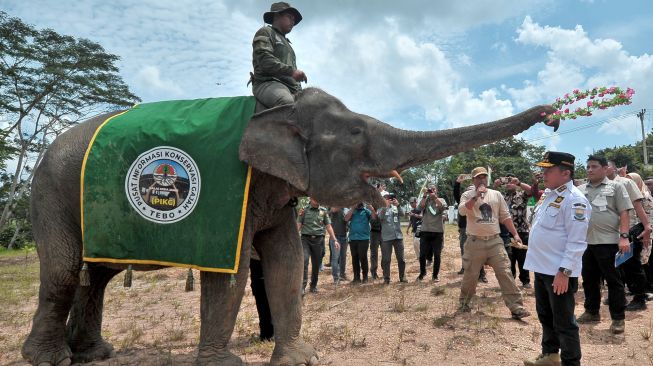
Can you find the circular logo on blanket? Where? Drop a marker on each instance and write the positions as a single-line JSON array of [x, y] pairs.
[[163, 185]]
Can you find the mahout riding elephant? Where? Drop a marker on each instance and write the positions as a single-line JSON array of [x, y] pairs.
[[314, 147]]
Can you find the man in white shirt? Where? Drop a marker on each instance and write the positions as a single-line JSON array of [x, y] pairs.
[[558, 240]]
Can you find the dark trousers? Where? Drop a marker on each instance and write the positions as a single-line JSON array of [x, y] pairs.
[[517, 260], [375, 243], [359, 257], [262, 306], [633, 273], [598, 262], [648, 270], [430, 246], [556, 314], [386, 253], [342, 258], [313, 249]]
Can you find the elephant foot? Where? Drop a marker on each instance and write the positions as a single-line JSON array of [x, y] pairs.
[[294, 354], [96, 351], [49, 354], [220, 358]]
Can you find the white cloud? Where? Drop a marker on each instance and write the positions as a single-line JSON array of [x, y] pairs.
[[150, 77], [499, 46], [574, 60], [629, 126], [380, 76]]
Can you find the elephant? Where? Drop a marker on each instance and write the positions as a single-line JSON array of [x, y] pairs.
[[313, 147]]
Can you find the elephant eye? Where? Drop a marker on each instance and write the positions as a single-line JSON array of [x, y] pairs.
[[356, 131]]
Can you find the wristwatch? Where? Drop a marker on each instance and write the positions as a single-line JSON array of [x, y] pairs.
[[565, 271], [624, 235]]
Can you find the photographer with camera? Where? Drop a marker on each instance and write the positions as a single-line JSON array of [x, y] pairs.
[[431, 236], [392, 238], [516, 195]]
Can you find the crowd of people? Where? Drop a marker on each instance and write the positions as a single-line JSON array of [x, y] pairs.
[[576, 229], [598, 230]]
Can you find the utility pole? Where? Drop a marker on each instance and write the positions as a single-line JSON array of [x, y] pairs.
[[641, 119]]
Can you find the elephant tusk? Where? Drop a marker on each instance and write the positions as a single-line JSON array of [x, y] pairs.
[[395, 174]]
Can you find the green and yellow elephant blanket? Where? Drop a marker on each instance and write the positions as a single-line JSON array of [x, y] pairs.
[[162, 184]]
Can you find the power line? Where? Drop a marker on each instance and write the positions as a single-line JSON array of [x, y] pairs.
[[583, 127]]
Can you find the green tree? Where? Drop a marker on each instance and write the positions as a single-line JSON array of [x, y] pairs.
[[510, 155], [48, 82]]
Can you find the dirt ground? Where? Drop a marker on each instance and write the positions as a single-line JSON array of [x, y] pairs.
[[156, 323]]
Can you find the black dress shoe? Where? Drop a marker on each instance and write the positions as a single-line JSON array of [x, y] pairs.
[[636, 305]]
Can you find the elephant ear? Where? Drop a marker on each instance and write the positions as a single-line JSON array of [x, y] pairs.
[[274, 143]]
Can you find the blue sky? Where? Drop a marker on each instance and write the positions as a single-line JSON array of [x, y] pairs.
[[419, 65]]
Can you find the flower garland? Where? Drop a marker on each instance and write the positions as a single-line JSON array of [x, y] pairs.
[[620, 98]]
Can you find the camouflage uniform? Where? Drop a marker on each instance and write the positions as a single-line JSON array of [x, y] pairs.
[[274, 62]]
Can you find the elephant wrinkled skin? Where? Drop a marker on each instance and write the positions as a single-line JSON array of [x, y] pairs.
[[315, 147]]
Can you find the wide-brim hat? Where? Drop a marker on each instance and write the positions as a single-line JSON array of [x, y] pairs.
[[554, 158], [281, 7]]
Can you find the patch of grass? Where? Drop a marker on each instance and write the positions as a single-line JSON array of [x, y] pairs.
[[399, 306], [438, 291], [647, 332], [442, 321], [421, 307], [258, 347], [133, 336], [18, 282]]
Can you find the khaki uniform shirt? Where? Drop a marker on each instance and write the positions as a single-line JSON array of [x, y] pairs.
[[634, 193], [608, 199], [273, 58], [314, 220], [486, 215]]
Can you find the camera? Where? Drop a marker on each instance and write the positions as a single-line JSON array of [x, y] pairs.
[[391, 196], [430, 190], [505, 180]]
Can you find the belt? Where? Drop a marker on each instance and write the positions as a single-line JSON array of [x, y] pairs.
[[483, 237], [312, 236]]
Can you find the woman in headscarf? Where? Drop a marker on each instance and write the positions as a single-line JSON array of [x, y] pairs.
[[647, 204]]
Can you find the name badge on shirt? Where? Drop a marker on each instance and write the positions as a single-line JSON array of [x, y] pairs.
[[600, 202]]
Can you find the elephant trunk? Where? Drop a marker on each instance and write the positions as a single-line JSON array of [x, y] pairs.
[[401, 149]]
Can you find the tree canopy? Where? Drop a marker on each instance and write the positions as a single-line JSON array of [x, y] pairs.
[[48, 82]]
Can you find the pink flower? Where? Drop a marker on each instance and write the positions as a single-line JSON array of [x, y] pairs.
[[567, 110], [589, 104], [543, 114]]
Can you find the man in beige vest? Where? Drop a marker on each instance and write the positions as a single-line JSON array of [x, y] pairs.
[[485, 209]]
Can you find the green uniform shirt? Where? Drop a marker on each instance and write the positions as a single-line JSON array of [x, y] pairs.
[[432, 216], [314, 220], [608, 199], [273, 58]]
